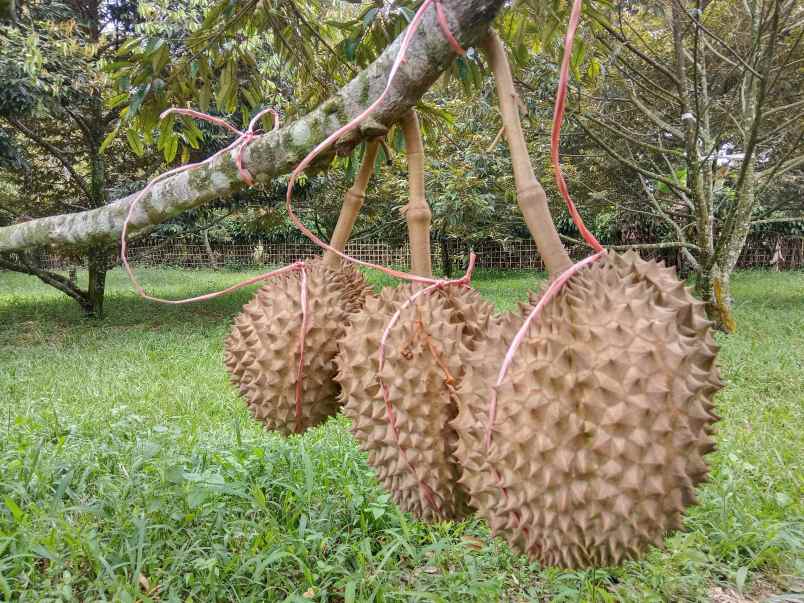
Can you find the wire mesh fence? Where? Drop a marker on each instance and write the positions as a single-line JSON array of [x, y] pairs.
[[777, 252]]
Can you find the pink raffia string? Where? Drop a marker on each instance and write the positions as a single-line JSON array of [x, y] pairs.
[[441, 16], [600, 251], [558, 119], [239, 144], [433, 283], [302, 335], [551, 292], [243, 139]]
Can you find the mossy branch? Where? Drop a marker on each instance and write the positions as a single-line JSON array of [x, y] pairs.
[[277, 152]]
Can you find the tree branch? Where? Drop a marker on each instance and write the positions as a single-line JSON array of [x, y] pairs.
[[631, 164], [54, 151], [717, 39], [653, 117], [622, 133], [627, 43], [668, 245], [777, 220], [50, 278], [277, 152]]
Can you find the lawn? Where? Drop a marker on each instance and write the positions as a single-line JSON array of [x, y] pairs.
[[130, 470]]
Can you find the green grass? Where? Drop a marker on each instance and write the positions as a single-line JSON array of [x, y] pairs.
[[128, 465]]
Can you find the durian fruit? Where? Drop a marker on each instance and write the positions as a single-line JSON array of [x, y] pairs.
[[602, 421], [426, 353], [409, 440], [262, 355], [262, 352]]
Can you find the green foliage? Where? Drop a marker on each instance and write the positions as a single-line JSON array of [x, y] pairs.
[[11, 156], [52, 121], [131, 471]]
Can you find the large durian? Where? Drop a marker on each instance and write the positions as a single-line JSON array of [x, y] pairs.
[[426, 353], [602, 421], [262, 355], [605, 413]]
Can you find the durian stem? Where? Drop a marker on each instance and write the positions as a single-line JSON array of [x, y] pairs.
[[417, 211], [352, 202], [529, 192]]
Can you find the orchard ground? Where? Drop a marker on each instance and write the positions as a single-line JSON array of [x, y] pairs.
[[130, 470]]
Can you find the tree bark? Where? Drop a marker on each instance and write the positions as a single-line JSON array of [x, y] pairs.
[[213, 261], [97, 265], [713, 286], [274, 153]]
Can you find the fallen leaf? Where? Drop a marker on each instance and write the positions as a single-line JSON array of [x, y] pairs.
[[144, 584], [473, 543]]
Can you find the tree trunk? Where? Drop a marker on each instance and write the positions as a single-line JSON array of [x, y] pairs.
[[213, 261], [97, 265], [713, 286]]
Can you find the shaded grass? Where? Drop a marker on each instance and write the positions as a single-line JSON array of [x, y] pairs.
[[128, 466]]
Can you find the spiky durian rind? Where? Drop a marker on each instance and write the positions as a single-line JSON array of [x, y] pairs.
[[425, 355], [262, 353], [602, 422]]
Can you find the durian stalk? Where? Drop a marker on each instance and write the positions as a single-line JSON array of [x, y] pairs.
[[417, 211], [529, 192], [352, 202]]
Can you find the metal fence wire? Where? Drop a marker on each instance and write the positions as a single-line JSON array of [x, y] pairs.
[[778, 252]]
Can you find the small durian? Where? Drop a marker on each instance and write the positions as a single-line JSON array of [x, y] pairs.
[[262, 352], [602, 421], [425, 355]]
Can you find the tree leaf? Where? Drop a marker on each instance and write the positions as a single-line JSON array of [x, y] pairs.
[[134, 142], [171, 146], [109, 139], [18, 513]]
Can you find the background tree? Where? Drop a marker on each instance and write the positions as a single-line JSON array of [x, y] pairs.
[[53, 124], [702, 103]]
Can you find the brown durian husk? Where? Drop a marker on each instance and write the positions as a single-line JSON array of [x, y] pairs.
[[602, 422], [425, 355], [604, 417], [262, 352]]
